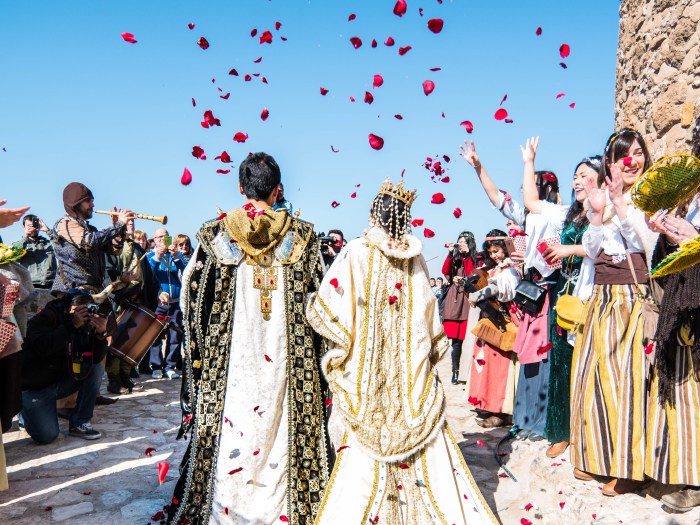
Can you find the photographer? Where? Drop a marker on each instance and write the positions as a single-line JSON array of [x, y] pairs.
[[331, 245], [39, 259], [63, 349], [460, 261]]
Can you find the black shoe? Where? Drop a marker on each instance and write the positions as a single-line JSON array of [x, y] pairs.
[[455, 377], [85, 431], [116, 389], [102, 400]]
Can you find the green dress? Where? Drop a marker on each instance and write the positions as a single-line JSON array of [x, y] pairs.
[[558, 409]]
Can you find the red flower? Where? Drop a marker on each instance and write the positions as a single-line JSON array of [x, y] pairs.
[[202, 42], [538, 32], [129, 37], [369, 98], [149, 451], [186, 177], [240, 137], [265, 113], [324, 91], [198, 153], [428, 233], [404, 50], [375, 141], [500, 114], [163, 467], [356, 42], [417, 222], [435, 25], [389, 42], [400, 8], [438, 198], [392, 299], [190, 25], [457, 213], [468, 126], [352, 17], [378, 81], [428, 87], [565, 50]]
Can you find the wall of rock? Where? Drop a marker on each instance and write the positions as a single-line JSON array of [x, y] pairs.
[[658, 73]]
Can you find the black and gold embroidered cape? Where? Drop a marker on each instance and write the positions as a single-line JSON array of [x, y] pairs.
[[208, 297]]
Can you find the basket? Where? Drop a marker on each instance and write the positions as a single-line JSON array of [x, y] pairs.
[[667, 183], [687, 255]]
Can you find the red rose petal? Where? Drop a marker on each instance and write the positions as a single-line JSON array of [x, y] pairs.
[[648, 349], [186, 177], [374, 43], [435, 25], [158, 516], [224, 157], [266, 37], [525, 521], [435, 69], [428, 233], [356, 42], [335, 204], [420, 11], [194, 104], [268, 358], [256, 452], [352, 17], [203, 42], [473, 400], [561, 504], [392, 299], [278, 25], [500, 114], [400, 8], [226, 510], [283, 38], [354, 194], [444, 179], [403, 466], [233, 72], [264, 80], [375, 141], [163, 467], [223, 172], [240, 137], [129, 37], [334, 150], [399, 486], [210, 120], [235, 471], [572, 105], [438, 198], [528, 506], [505, 97], [428, 87], [467, 126], [256, 408], [457, 213], [329, 401], [257, 61], [369, 98], [480, 362], [594, 516], [508, 121], [284, 518], [324, 91], [398, 286], [563, 65], [247, 78], [343, 448], [417, 222], [253, 33], [538, 32], [190, 25], [389, 42], [378, 81], [149, 451], [404, 50], [265, 113], [225, 97], [480, 443], [564, 50], [398, 116], [560, 95], [546, 348]]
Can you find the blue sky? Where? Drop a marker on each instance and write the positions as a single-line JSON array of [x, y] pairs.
[[79, 103]]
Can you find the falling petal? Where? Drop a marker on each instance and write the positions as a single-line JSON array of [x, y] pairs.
[[335, 204], [210, 119], [278, 25], [240, 137], [562, 64], [435, 25], [398, 286], [253, 33], [149, 451], [224, 157], [186, 177], [480, 362], [420, 11], [190, 25], [500, 114], [198, 153], [435, 69], [561, 504], [129, 37], [158, 516], [378, 81], [266, 37], [572, 105], [400, 8], [163, 467], [389, 42], [334, 150], [560, 95], [445, 180], [428, 233], [264, 80], [329, 401], [404, 50], [225, 97], [508, 121], [356, 42], [525, 521], [457, 213], [233, 72], [265, 114], [247, 78], [564, 50], [256, 452], [352, 99], [538, 32], [398, 117], [468, 126], [505, 97], [324, 91], [443, 114], [369, 98], [283, 38], [284, 518], [428, 87], [343, 448], [354, 194], [352, 17], [392, 299], [375, 141], [257, 61], [544, 349], [203, 42], [480, 443], [437, 198], [417, 222], [193, 103], [374, 43], [223, 172], [528, 506], [235, 471]]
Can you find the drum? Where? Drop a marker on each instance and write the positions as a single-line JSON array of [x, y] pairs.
[[137, 329]]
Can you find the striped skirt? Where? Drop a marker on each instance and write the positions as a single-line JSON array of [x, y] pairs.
[[673, 438], [608, 386]]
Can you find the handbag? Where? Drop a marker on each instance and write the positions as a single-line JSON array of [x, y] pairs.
[[650, 310], [570, 309], [487, 331], [529, 296]]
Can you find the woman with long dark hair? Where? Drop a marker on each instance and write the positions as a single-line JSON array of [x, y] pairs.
[[459, 263]]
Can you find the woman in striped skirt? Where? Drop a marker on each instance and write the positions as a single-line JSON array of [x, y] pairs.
[[608, 388], [673, 438]]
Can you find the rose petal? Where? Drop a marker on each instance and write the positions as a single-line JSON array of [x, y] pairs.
[[505, 97], [233, 72], [247, 78], [428, 87], [343, 448], [266, 37], [420, 11], [445, 179], [240, 137], [353, 195], [335, 204], [389, 42], [324, 91], [265, 113], [256, 408], [163, 467], [190, 25], [560, 95], [235, 471], [375, 141], [352, 17], [264, 80], [158, 516], [467, 126], [473, 400], [538, 32], [399, 486], [378, 81], [398, 286], [284, 518], [329, 401], [186, 177], [278, 25], [268, 358], [223, 172], [562, 64], [194, 104], [225, 97], [256, 452], [564, 50], [457, 213], [500, 114], [224, 157], [524, 521], [210, 120], [392, 299], [257, 61], [369, 98], [435, 25], [334, 150], [480, 443], [203, 42], [417, 222], [403, 466], [374, 43], [356, 42], [508, 121], [149, 451], [480, 362], [253, 32], [648, 349], [572, 105], [561, 504], [400, 8], [129, 37], [428, 233], [404, 50], [528, 506], [438, 198], [544, 349]]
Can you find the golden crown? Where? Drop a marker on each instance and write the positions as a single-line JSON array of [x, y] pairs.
[[398, 192]]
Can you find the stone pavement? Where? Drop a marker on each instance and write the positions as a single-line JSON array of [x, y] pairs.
[[113, 481]]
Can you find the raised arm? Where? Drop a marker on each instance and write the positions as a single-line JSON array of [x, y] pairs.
[[531, 197], [469, 154]]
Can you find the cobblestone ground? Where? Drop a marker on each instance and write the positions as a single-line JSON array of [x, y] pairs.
[[113, 481]]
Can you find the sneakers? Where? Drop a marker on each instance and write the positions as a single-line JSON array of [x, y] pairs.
[[172, 374], [681, 501], [157, 374], [85, 431]]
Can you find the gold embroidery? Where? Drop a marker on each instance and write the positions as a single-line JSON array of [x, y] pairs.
[[265, 279]]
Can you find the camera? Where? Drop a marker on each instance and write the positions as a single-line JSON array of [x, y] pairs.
[[326, 241], [93, 308], [35, 223]]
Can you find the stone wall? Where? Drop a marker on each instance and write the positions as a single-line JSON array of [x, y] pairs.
[[658, 73]]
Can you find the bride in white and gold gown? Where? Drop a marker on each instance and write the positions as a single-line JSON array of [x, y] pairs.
[[397, 460]]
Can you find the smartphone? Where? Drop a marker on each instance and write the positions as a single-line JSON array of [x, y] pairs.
[[510, 247], [167, 241]]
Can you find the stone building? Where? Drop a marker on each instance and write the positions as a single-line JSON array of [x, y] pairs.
[[658, 73]]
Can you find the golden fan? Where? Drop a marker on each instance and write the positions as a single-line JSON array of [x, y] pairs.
[[687, 255], [667, 183]]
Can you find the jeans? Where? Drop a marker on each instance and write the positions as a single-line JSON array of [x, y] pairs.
[[39, 406], [173, 338]]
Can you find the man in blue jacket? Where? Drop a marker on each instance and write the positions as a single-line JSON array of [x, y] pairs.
[[168, 265]]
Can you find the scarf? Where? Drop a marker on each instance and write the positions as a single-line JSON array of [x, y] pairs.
[[257, 233]]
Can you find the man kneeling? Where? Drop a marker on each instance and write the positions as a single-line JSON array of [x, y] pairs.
[[65, 344]]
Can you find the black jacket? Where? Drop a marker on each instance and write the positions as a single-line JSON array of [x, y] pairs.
[[45, 360]]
